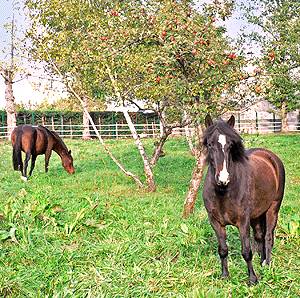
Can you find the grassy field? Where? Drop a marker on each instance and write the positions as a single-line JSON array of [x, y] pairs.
[[94, 234]]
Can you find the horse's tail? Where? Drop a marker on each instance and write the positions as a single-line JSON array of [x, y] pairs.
[[17, 152]]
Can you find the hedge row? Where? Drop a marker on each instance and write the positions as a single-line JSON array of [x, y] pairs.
[[59, 117]]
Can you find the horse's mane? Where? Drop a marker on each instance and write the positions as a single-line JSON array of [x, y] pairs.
[[56, 137], [237, 150]]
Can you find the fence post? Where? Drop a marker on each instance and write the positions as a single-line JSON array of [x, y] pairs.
[[99, 123], [274, 121], [71, 129], [153, 130], [43, 120], [116, 130], [62, 124], [3, 121], [32, 118], [239, 121], [256, 121], [110, 126], [52, 122]]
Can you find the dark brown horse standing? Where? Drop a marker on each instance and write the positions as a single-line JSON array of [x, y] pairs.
[[35, 141], [242, 188]]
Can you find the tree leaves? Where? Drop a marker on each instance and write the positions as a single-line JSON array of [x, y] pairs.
[[157, 50], [279, 40]]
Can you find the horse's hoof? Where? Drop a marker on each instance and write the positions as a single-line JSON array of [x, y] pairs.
[[253, 281], [265, 263], [24, 178], [225, 275]]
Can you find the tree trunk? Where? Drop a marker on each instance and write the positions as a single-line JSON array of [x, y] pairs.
[[139, 144], [72, 91], [85, 121], [188, 134], [10, 103], [159, 146], [147, 168], [285, 127], [196, 176], [121, 167], [194, 185]]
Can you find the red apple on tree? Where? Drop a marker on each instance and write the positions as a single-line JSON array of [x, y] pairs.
[[164, 34], [232, 56], [211, 62], [258, 89], [272, 56], [114, 13]]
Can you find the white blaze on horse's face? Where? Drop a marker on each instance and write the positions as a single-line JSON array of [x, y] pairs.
[[224, 175]]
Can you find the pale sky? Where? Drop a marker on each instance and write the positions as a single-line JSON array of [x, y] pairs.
[[25, 91]]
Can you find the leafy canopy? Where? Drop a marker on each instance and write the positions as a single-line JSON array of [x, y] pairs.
[[165, 52]]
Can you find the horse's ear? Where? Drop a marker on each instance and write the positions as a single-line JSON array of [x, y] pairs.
[[70, 152], [208, 121], [231, 121]]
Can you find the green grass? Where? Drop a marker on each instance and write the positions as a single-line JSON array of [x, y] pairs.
[[94, 234]]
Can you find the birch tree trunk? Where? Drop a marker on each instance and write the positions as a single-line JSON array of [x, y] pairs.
[[147, 168], [195, 182], [85, 121], [115, 160], [188, 134], [9, 102]]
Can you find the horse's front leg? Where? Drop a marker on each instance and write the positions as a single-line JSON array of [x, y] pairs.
[[33, 159], [244, 229], [47, 158], [220, 231]]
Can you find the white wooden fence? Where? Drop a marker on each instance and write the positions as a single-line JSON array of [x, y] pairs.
[[152, 130], [115, 131]]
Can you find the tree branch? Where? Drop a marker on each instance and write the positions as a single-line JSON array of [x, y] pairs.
[[72, 91]]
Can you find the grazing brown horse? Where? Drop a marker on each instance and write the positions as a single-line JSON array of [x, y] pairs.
[[242, 188], [36, 141]]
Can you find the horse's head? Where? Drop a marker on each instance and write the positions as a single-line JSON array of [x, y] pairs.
[[224, 147], [67, 162]]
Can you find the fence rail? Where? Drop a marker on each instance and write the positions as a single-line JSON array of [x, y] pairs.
[[115, 131], [152, 130]]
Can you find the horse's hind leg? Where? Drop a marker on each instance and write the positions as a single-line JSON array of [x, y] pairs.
[[259, 231], [244, 229], [27, 157], [271, 221], [20, 166], [33, 159]]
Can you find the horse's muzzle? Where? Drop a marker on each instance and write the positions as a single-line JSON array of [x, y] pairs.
[[71, 171], [222, 183]]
